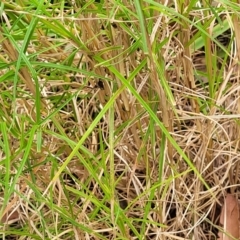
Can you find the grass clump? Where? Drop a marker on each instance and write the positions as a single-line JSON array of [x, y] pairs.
[[119, 119]]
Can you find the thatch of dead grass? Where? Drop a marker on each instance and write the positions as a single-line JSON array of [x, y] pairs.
[[119, 119]]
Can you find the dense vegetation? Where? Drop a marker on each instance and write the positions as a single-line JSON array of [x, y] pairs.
[[118, 119]]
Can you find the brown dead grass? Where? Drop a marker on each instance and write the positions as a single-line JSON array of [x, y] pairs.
[[208, 134]]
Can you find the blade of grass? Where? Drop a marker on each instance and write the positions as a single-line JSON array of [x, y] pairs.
[[6, 150], [141, 18], [111, 160]]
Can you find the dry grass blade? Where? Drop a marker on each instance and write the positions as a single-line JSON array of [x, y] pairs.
[[229, 218]]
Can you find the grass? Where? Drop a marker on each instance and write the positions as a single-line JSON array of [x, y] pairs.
[[119, 119]]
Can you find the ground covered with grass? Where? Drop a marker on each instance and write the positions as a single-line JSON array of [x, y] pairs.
[[118, 119]]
